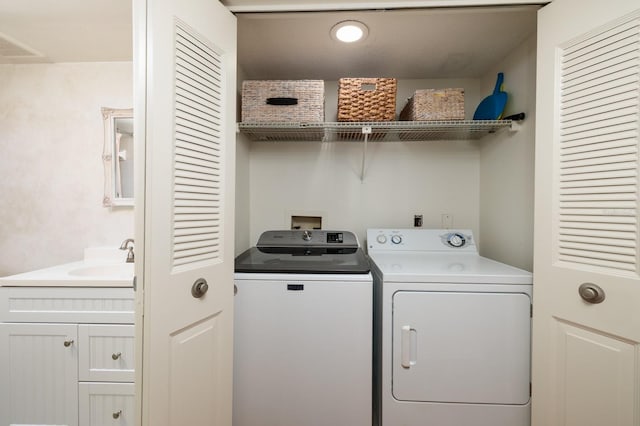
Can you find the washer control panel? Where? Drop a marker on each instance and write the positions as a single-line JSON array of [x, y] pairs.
[[442, 240]]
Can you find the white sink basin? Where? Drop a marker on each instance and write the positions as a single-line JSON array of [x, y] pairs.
[[115, 270]]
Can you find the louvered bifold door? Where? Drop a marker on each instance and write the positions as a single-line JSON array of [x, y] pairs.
[[197, 158], [597, 162]]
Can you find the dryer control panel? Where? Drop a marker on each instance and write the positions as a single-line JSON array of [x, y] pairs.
[[439, 240]]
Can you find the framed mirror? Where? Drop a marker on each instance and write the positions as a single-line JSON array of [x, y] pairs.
[[117, 157]]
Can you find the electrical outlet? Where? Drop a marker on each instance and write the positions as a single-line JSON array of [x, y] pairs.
[[417, 220], [447, 220]]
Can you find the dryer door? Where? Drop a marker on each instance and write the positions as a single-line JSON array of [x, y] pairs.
[[461, 347]]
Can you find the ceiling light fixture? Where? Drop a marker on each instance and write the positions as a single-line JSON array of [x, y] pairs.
[[349, 31]]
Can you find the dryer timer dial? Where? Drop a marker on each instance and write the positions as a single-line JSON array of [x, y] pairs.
[[456, 240], [381, 239], [396, 239]]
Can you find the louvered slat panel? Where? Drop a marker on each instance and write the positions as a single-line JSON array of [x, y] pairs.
[[593, 69], [609, 92], [612, 217], [613, 74], [194, 143], [607, 241], [188, 217], [599, 127], [597, 207], [596, 46], [591, 160], [620, 138], [589, 227], [202, 236], [614, 69], [618, 166], [617, 196], [195, 157], [188, 227], [202, 164], [193, 186], [607, 250], [191, 201], [184, 89], [579, 106], [597, 200], [186, 197], [197, 188], [601, 152], [614, 174], [583, 184], [596, 111], [570, 192], [203, 230], [614, 236]]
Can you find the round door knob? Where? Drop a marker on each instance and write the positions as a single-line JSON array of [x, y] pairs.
[[117, 414], [116, 356], [591, 293], [199, 288], [68, 343]]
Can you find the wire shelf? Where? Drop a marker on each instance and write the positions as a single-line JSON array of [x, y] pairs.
[[392, 131]]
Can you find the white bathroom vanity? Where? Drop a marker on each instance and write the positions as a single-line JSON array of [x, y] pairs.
[[67, 345]]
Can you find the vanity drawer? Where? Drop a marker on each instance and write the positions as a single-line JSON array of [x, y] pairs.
[[106, 353], [99, 305], [111, 404]]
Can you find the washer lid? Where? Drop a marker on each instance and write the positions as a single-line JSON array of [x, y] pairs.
[[303, 260], [446, 268]]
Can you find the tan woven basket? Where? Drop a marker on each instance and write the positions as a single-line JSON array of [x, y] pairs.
[[434, 104], [367, 99], [289, 101]]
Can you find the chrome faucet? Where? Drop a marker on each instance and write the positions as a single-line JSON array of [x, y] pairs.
[[128, 245]]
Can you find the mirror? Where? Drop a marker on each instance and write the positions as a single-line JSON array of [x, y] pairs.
[[117, 156]]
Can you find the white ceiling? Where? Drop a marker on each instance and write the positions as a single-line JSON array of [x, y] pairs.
[[68, 30], [428, 43]]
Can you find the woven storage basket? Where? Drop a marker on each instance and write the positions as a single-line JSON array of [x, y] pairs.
[[283, 101], [367, 99], [434, 104]]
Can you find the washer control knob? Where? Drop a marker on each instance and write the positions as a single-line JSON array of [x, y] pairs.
[[381, 238], [456, 240], [396, 239]]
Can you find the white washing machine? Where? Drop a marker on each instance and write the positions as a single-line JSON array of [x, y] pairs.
[[303, 331], [452, 332]]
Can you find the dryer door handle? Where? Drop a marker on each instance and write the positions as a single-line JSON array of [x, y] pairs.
[[409, 339]]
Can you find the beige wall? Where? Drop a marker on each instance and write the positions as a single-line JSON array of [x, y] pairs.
[[486, 185], [401, 179], [506, 167], [51, 136]]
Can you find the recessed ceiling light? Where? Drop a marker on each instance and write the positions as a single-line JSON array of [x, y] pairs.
[[349, 31]]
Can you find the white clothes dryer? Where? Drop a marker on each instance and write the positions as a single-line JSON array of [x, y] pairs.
[[452, 332]]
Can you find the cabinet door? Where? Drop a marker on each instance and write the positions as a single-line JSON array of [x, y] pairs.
[[39, 370], [109, 404], [106, 353]]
